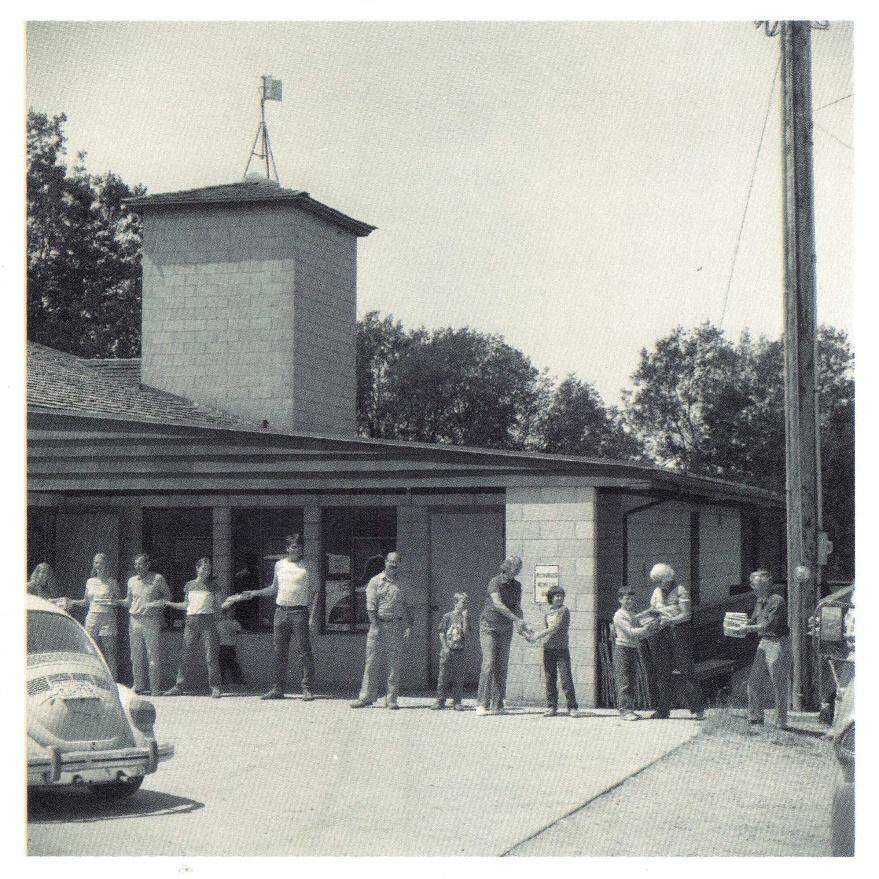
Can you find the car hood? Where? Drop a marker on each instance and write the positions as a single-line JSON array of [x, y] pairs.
[[73, 704]]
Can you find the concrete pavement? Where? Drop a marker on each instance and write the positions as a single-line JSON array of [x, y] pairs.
[[318, 778]]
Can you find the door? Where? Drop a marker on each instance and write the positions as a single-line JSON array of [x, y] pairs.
[[466, 551]]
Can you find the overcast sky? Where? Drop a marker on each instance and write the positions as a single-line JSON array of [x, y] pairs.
[[576, 187]]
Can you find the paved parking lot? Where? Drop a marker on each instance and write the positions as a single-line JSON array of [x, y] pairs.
[[294, 778]]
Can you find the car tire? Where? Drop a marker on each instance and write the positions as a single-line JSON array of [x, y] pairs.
[[117, 790]]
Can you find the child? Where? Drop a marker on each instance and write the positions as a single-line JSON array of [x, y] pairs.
[[453, 630], [556, 656], [628, 635], [229, 629]]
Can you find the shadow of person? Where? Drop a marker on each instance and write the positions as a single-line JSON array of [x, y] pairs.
[[77, 806]]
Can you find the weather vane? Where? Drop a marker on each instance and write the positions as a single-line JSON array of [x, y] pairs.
[[270, 90]]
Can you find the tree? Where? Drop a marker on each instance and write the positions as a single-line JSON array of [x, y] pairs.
[[578, 423], [84, 251], [703, 404]]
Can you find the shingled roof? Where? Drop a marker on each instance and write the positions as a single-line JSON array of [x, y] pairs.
[[251, 192], [63, 382]]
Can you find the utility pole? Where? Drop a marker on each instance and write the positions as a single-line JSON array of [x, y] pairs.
[[800, 385]]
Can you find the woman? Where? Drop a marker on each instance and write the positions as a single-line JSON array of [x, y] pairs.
[[501, 615], [672, 646], [42, 581], [201, 603], [102, 597]]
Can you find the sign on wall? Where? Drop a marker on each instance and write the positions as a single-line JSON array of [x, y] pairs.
[[545, 576]]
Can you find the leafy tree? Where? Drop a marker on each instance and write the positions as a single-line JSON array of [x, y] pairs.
[[84, 251], [703, 404], [578, 423]]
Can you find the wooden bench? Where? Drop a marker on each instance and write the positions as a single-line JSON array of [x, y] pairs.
[[709, 669]]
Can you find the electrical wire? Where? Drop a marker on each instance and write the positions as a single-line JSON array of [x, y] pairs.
[[732, 267], [848, 146], [843, 98]]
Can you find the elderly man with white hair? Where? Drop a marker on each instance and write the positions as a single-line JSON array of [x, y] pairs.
[[672, 645]]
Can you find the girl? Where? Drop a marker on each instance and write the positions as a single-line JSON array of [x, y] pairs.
[[102, 597]]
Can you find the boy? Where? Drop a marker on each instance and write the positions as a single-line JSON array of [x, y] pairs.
[[556, 655], [453, 630], [229, 629], [628, 635]]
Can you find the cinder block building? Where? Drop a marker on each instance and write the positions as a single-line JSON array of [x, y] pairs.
[[237, 427]]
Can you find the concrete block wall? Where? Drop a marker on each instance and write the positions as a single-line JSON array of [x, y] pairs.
[[228, 294], [555, 526], [657, 534]]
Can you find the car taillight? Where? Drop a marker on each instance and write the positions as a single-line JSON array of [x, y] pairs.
[[845, 745], [143, 715]]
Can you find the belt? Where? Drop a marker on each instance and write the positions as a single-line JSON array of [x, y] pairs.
[[389, 619], [293, 606]]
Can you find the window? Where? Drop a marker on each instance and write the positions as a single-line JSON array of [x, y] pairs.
[[258, 541], [53, 633], [355, 543]]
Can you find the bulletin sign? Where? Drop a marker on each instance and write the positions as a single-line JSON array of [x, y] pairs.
[[545, 576]]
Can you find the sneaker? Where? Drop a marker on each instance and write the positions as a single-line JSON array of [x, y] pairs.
[[630, 715], [571, 712], [393, 706], [657, 716], [361, 703], [215, 693], [437, 706], [754, 727], [174, 691], [458, 706], [500, 710], [307, 696], [550, 712], [698, 715], [482, 711], [274, 693]]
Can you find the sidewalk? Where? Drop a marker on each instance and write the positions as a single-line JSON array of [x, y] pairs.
[[294, 778]]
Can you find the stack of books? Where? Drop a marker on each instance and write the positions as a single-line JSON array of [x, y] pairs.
[[732, 622]]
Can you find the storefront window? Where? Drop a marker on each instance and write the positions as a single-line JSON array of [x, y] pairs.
[[258, 541], [355, 543]]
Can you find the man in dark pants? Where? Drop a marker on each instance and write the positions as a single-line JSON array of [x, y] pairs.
[[672, 646], [294, 617]]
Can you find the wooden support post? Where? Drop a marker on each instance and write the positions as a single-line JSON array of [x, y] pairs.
[[801, 424]]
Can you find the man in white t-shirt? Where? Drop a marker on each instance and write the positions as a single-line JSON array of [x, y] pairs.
[[294, 617]]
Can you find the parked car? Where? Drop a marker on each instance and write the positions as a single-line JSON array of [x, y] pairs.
[[83, 727]]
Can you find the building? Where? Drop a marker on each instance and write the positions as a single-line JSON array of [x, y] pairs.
[[236, 427]]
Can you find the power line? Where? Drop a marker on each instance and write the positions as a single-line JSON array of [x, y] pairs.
[[732, 267], [848, 146], [843, 98]]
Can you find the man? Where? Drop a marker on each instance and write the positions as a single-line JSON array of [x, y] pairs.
[[672, 645], [295, 616], [390, 625], [146, 596], [772, 662], [501, 615]]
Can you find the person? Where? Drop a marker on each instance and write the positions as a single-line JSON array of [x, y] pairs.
[[628, 635], [671, 645], [453, 631], [42, 582], [772, 662], [229, 629], [102, 597], [200, 603], [556, 653], [501, 615], [390, 626], [295, 617], [146, 596]]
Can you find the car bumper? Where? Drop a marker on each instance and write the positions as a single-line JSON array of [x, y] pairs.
[[88, 767]]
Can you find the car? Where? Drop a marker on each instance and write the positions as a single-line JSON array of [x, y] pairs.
[[83, 727]]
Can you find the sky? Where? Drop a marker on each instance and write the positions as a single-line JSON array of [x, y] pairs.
[[577, 187]]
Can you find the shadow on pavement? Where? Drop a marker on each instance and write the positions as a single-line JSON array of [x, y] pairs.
[[79, 806]]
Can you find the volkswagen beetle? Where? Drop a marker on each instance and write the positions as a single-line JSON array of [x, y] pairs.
[[83, 728]]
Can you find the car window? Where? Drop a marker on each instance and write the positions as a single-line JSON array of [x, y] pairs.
[[54, 633]]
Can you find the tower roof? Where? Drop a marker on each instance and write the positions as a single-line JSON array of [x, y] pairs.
[[251, 192]]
